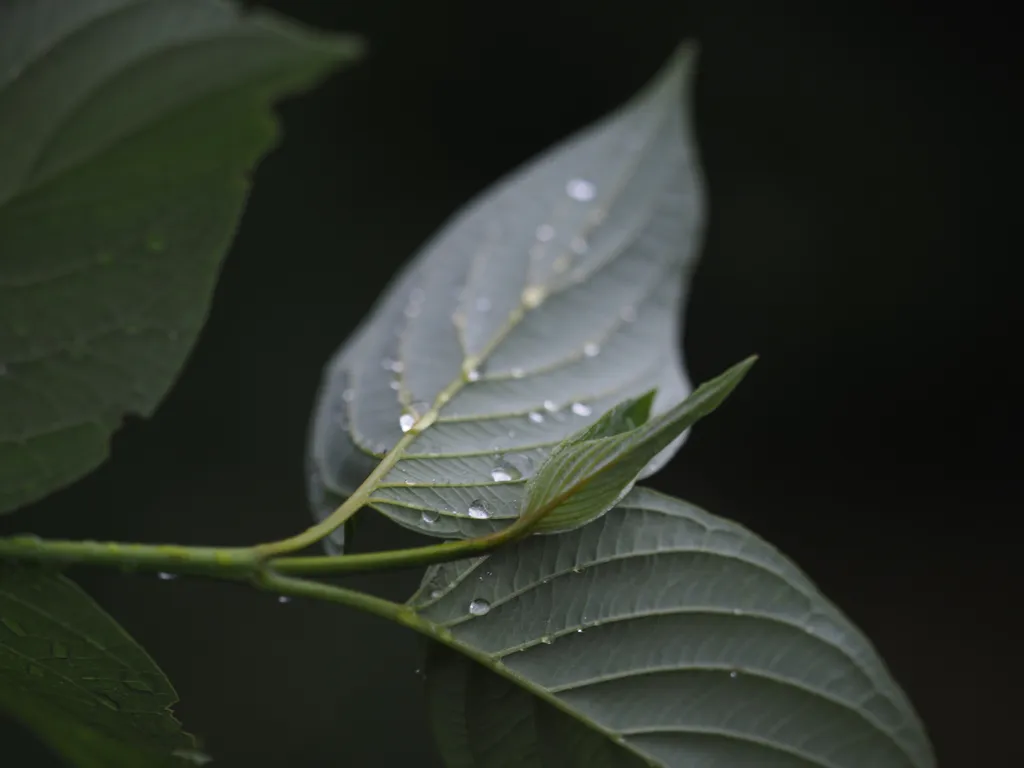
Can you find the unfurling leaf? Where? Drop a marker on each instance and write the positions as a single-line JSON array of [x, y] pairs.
[[586, 475]]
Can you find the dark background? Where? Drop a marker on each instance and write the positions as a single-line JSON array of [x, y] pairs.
[[852, 151]]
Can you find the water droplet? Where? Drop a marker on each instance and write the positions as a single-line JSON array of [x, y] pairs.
[[517, 373], [550, 406], [580, 189], [436, 594], [483, 304], [430, 516], [590, 349], [395, 384], [415, 305], [578, 246], [579, 631], [348, 395], [545, 232], [628, 314], [283, 599], [737, 612], [406, 421], [535, 417], [577, 569], [479, 607], [395, 366], [522, 462], [164, 576], [473, 374], [733, 674], [581, 409], [533, 295], [547, 639], [478, 509], [14, 626], [504, 472], [60, 651]]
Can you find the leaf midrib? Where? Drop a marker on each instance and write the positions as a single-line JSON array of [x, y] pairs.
[[397, 453]]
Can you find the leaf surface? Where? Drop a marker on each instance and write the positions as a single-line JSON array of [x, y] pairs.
[[590, 472], [70, 673], [128, 129], [676, 637], [546, 301]]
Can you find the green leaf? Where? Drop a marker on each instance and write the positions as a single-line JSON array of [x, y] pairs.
[[542, 304], [590, 472], [678, 637], [128, 130], [70, 673]]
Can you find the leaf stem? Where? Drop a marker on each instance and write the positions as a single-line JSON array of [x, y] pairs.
[[399, 613], [408, 617], [243, 562], [406, 558], [271, 581], [227, 562]]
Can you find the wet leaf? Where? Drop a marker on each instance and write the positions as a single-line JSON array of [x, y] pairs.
[[664, 636], [542, 304]]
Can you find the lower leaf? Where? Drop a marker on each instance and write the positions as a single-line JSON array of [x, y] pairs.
[[669, 636]]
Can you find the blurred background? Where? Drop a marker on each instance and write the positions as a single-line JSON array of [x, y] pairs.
[[853, 153]]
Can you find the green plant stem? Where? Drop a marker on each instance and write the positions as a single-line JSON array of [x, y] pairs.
[[407, 617], [362, 494], [243, 562], [396, 612], [268, 580], [337, 518], [406, 558], [228, 562]]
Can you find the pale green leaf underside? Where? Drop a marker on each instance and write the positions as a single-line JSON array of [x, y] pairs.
[[677, 634], [70, 673], [127, 130], [549, 299]]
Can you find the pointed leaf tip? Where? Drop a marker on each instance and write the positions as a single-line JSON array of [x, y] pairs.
[[588, 473], [564, 279]]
